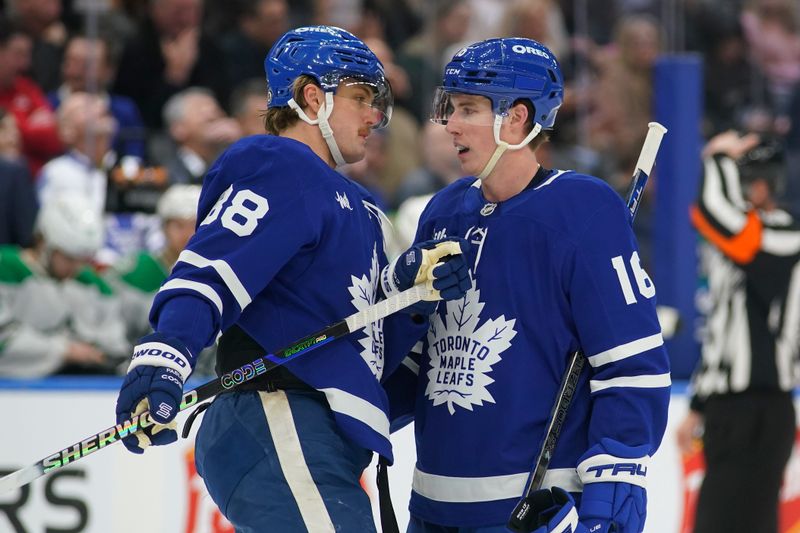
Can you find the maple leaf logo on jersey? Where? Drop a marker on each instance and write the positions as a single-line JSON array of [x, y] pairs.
[[363, 293], [462, 353]]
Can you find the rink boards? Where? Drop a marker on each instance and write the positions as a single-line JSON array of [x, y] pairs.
[[115, 491]]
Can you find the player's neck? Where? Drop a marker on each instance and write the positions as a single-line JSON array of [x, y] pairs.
[[311, 137], [510, 176]]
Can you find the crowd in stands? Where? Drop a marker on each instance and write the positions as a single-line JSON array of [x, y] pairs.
[[122, 106]]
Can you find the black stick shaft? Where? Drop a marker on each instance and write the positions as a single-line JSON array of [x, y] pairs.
[[519, 517]]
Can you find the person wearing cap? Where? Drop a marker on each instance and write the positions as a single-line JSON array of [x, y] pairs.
[[286, 246], [56, 313]]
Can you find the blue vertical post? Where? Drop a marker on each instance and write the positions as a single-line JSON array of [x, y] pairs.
[[678, 90]]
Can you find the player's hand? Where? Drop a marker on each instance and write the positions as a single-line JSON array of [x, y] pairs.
[[731, 144], [613, 507], [154, 383], [439, 264], [550, 511]]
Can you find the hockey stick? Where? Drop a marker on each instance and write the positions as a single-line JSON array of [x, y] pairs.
[[519, 520], [208, 390]]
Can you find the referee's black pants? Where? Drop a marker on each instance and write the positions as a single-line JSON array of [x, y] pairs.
[[747, 442]]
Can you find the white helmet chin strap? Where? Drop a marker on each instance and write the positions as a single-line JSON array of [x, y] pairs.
[[502, 146], [324, 112]]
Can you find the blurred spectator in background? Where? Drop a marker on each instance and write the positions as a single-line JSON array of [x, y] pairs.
[[86, 128], [23, 99], [41, 20], [772, 30], [402, 133], [168, 55], [138, 276], [17, 196], [367, 171], [259, 25], [728, 74], [440, 167], [56, 313], [540, 20], [423, 56], [440, 164], [199, 130], [792, 193], [393, 21], [89, 66], [248, 105], [621, 100], [10, 139]]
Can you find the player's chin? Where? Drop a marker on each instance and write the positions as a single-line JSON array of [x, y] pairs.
[[354, 154]]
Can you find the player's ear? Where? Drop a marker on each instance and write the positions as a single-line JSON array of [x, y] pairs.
[[314, 96], [518, 115]]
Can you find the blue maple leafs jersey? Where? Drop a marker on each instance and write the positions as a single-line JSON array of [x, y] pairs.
[[555, 269], [284, 247]]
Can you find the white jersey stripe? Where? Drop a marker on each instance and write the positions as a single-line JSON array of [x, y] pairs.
[[605, 467], [786, 345], [202, 288], [293, 463], [358, 408], [731, 218], [780, 243], [551, 179], [653, 381], [225, 272], [730, 173], [411, 365], [485, 489], [626, 350]]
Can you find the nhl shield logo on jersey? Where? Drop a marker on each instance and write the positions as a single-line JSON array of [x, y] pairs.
[[462, 352], [363, 293]]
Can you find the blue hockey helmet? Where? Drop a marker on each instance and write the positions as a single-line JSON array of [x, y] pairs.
[[504, 71], [329, 55]]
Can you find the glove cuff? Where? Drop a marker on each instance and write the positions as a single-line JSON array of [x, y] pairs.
[[611, 461], [389, 281], [158, 350]]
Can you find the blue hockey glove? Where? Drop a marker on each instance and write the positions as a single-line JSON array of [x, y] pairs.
[[613, 507], [439, 264], [154, 382], [614, 496]]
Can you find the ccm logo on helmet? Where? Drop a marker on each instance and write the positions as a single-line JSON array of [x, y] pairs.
[[520, 49], [156, 352]]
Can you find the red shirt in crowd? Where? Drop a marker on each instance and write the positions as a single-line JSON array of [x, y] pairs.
[[35, 120]]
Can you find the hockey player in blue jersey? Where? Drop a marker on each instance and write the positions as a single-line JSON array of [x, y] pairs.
[[555, 269], [285, 246]]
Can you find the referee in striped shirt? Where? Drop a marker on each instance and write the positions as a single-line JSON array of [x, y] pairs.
[[742, 388]]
